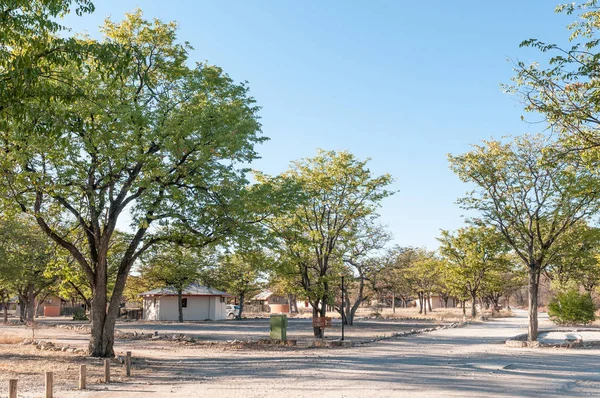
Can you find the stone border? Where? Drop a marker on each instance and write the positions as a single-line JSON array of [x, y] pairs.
[[520, 340], [414, 331]]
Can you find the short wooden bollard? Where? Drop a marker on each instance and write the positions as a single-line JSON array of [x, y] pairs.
[[128, 363], [49, 384], [107, 370], [12, 388], [82, 377]]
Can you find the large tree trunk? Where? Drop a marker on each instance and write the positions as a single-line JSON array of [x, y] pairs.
[[420, 299], [241, 304], [423, 298], [534, 280], [393, 302], [104, 315], [180, 304], [473, 303], [429, 302], [22, 308], [293, 304], [318, 332], [30, 313], [5, 305]]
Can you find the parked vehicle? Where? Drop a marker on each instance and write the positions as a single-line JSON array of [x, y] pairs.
[[232, 310]]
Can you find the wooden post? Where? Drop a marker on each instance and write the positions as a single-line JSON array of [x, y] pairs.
[[49, 382], [128, 363], [107, 370], [12, 388], [82, 375]]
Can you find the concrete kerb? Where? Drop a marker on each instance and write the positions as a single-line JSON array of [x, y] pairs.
[[520, 340]]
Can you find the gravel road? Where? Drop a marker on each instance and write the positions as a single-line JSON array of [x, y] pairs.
[[465, 362]]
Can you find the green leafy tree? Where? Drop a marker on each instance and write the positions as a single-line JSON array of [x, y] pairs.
[[239, 273], [170, 265], [423, 274], [361, 246], [575, 258], [27, 254], [392, 277], [144, 133], [338, 190], [530, 196], [472, 254], [563, 86], [30, 47]]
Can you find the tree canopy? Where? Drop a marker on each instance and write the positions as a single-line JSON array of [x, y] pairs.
[[146, 134]]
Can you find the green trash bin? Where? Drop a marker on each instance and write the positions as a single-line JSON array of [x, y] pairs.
[[279, 325]]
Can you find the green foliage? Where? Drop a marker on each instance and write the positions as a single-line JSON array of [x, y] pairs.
[[563, 85], [571, 307], [79, 315], [169, 265], [125, 123], [474, 257], [526, 193], [335, 191], [240, 273]]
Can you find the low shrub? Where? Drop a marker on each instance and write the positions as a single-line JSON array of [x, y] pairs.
[[79, 315], [571, 307]]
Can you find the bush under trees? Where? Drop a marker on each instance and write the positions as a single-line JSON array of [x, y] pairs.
[[568, 308]]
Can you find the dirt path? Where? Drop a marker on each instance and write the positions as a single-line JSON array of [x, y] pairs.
[[470, 361]]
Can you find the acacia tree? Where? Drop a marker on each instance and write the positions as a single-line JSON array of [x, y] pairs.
[[143, 132], [530, 196], [337, 190], [471, 255]]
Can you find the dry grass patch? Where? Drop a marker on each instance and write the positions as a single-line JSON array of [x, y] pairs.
[[10, 339]]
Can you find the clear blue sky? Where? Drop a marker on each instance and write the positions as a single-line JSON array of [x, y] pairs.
[[401, 82]]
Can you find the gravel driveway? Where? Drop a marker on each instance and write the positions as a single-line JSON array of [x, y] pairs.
[[465, 362]]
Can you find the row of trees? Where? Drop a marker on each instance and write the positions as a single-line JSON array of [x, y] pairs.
[[93, 129], [541, 192]]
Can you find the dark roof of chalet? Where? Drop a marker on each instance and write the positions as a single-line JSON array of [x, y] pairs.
[[262, 295], [192, 290]]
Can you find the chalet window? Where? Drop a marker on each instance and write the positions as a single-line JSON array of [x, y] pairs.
[[184, 302], [222, 299], [154, 302]]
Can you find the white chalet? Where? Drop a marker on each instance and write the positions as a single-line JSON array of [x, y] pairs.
[[199, 303]]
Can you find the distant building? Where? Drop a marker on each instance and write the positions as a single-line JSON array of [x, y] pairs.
[[199, 303], [275, 303]]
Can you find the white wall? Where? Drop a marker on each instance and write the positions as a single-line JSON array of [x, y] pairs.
[[198, 308]]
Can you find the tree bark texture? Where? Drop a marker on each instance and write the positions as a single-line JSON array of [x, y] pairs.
[[534, 280], [241, 305], [180, 304]]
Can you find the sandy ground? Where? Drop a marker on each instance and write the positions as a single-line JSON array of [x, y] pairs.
[[471, 361]]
